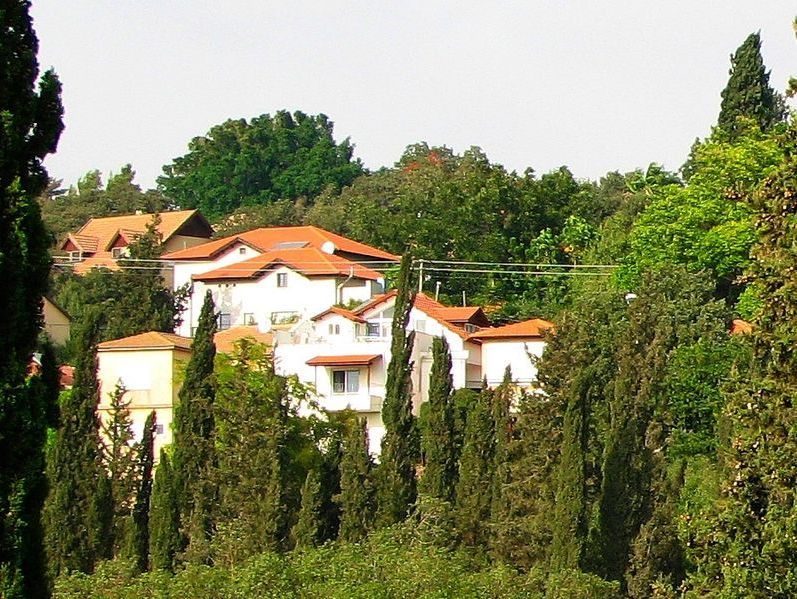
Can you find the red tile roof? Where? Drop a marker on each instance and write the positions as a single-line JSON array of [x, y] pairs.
[[446, 316], [533, 328], [225, 340], [340, 312], [308, 261], [270, 238], [350, 360], [98, 234], [741, 327], [150, 340]]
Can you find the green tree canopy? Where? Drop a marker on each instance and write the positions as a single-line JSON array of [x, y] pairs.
[[256, 162]]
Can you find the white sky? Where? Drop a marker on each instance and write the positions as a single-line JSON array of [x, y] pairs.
[[594, 85]]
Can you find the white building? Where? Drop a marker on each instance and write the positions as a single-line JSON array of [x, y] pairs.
[[277, 277], [517, 346], [344, 354]]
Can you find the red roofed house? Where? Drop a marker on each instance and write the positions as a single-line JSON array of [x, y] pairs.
[[515, 345], [277, 276], [102, 241]]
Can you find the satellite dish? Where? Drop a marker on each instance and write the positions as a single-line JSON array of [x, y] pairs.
[[328, 247]]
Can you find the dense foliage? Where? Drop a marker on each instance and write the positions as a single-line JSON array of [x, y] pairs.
[[653, 458], [257, 162], [31, 126]]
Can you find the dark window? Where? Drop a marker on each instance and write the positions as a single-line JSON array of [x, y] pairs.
[[224, 321], [372, 329], [345, 381], [282, 279]]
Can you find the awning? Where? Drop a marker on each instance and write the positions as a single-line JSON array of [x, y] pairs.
[[358, 360]]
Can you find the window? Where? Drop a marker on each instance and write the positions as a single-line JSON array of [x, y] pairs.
[[420, 326], [75, 256], [241, 250], [117, 252], [224, 321], [372, 329], [345, 381], [334, 329], [471, 328], [158, 429], [282, 279], [249, 319]]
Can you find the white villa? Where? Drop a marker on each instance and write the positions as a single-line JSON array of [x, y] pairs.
[[277, 277]]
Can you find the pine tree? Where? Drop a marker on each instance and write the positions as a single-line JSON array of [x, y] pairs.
[[308, 530], [474, 489], [31, 128], [139, 540], [438, 440], [164, 518], [397, 487], [119, 458], [193, 454], [748, 93], [357, 495], [76, 512]]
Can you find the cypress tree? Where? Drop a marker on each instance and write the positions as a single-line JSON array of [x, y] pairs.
[[748, 93], [357, 495], [31, 128], [252, 413], [438, 440], [400, 445], [504, 436], [309, 528], [139, 540], [164, 518], [119, 457], [474, 488], [193, 454], [77, 508]]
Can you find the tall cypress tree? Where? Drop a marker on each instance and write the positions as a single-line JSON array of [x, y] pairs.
[[357, 495], [502, 455], [252, 412], [139, 539], [309, 527], [164, 518], [31, 128], [193, 454], [438, 440], [748, 93], [77, 509], [400, 446], [119, 457], [474, 488]]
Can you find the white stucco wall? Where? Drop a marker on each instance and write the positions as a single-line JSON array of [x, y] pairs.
[[152, 379], [497, 354]]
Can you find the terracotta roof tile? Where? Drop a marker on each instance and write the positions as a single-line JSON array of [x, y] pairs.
[[535, 327], [308, 261], [97, 235], [225, 340], [741, 327], [348, 360], [150, 340], [270, 238], [340, 312]]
